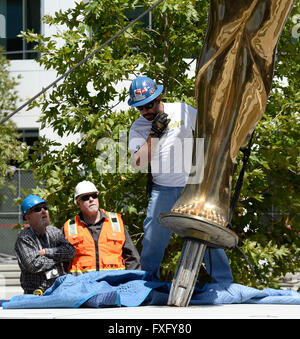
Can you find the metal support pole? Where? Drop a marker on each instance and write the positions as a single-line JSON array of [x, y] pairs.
[[187, 272]]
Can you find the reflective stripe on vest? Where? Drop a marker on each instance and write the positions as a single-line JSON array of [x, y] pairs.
[[114, 222], [72, 228]]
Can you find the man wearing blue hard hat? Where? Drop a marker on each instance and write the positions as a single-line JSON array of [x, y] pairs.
[[161, 139], [41, 249]]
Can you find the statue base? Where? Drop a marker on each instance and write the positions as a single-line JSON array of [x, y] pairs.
[[189, 226]]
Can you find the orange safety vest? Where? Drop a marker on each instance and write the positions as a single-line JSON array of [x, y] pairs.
[[109, 246]]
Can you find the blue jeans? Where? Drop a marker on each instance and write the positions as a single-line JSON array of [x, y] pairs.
[[156, 237]]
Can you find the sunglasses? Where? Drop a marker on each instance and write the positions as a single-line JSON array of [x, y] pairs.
[[39, 208], [147, 106], [87, 196]]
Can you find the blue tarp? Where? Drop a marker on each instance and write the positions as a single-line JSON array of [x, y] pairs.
[[131, 288]]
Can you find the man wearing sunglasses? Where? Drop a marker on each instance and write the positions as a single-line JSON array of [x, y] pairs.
[[100, 238], [41, 249], [160, 131]]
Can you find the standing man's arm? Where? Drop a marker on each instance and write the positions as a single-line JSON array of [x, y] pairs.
[[144, 154]]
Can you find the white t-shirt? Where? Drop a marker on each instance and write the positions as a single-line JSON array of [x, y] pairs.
[[172, 159]]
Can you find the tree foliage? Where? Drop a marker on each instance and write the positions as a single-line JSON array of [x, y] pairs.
[[85, 103]]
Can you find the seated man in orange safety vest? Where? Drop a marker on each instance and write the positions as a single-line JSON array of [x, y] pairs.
[[99, 237]]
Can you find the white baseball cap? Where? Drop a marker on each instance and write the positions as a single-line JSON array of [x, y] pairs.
[[84, 187]]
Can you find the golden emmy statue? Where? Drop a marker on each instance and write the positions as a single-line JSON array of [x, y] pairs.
[[232, 88]]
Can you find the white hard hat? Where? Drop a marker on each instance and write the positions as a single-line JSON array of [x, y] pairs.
[[84, 187]]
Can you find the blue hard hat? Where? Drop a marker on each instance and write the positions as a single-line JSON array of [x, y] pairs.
[[143, 90], [29, 202]]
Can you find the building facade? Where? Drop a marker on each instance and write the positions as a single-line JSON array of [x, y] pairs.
[[17, 16]]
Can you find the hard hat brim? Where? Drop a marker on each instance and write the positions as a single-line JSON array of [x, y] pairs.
[[150, 98]]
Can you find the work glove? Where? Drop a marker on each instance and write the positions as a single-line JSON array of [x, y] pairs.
[[159, 124]]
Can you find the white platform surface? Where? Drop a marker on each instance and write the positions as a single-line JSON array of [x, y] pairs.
[[233, 311]]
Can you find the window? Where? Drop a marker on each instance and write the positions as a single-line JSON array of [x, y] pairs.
[[17, 16], [146, 19], [29, 136]]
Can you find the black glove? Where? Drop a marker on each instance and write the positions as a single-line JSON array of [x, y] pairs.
[[159, 124]]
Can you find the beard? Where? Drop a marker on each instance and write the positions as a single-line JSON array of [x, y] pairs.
[[43, 222], [92, 208]]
